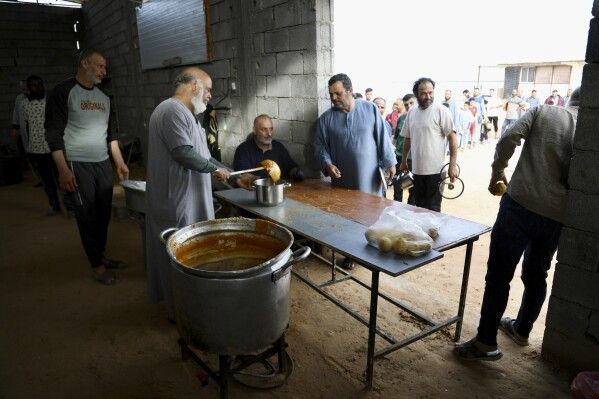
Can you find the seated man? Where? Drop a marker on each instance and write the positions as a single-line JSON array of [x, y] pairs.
[[259, 146]]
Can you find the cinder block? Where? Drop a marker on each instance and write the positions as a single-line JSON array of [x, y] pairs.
[[302, 37], [297, 152], [287, 14], [576, 285], [310, 110], [225, 50], [310, 66], [263, 20], [266, 65], [302, 132], [219, 69], [277, 41], [233, 124], [592, 53], [278, 86], [258, 44], [325, 65], [268, 106], [291, 109], [289, 63], [271, 3], [590, 83], [230, 138], [308, 11], [282, 130], [222, 30], [581, 211], [584, 172], [260, 86], [325, 37], [586, 137], [574, 355], [569, 318], [579, 248], [303, 86]]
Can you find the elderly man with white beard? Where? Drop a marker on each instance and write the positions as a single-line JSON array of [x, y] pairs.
[[178, 185]]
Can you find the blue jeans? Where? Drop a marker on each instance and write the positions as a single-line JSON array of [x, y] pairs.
[[516, 231]]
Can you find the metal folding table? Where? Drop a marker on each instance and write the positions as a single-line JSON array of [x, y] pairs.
[[337, 218]]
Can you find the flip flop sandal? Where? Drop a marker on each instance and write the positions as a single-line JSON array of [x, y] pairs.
[[469, 351], [106, 278], [114, 264]]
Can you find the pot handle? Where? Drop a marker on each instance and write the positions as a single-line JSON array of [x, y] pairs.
[[297, 256], [167, 233]]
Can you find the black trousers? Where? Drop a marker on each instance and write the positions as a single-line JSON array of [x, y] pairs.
[[92, 202], [46, 169], [426, 191], [517, 231], [494, 120]]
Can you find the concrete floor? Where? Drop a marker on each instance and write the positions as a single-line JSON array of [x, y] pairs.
[[63, 335]]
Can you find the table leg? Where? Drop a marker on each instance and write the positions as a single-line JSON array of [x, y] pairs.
[[333, 266], [465, 276], [374, 297]]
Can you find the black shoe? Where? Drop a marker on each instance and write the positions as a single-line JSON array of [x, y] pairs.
[[470, 351], [347, 264], [113, 264]]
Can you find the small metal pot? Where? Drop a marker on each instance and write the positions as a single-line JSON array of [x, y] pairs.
[[269, 194]]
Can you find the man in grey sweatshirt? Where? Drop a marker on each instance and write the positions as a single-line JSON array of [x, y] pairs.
[[529, 222]]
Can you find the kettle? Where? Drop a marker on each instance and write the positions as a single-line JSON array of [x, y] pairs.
[[405, 179]]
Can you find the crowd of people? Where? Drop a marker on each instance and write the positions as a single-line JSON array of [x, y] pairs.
[[68, 136]]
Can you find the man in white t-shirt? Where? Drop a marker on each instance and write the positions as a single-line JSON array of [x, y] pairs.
[[425, 130], [493, 107]]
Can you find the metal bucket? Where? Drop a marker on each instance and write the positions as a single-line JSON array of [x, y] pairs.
[[228, 304]]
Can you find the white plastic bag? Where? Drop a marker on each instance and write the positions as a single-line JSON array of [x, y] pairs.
[[428, 222], [392, 232]]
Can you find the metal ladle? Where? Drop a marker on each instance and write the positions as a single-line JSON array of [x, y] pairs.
[[270, 166]]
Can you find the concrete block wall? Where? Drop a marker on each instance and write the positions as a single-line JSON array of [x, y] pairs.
[[572, 325], [275, 52], [34, 40]]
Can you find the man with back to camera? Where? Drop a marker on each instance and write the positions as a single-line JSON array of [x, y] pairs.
[[259, 146], [425, 130], [529, 222], [493, 107], [79, 132]]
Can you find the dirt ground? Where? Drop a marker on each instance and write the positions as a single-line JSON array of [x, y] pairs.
[[63, 335]]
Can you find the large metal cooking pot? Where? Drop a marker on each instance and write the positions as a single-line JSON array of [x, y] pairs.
[[268, 193], [230, 280]]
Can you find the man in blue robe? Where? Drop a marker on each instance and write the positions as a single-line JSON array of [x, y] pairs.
[[351, 143]]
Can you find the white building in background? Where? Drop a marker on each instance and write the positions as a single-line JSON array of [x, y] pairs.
[[544, 77]]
